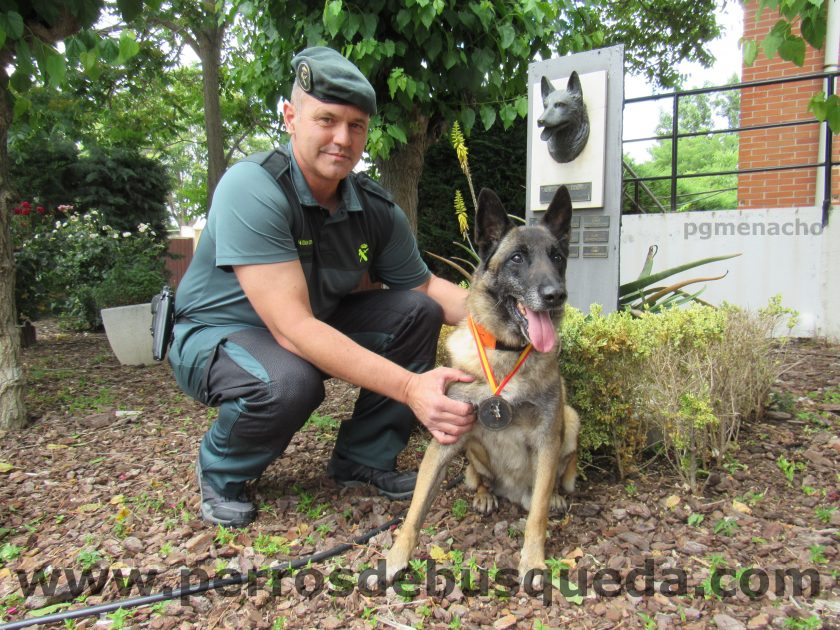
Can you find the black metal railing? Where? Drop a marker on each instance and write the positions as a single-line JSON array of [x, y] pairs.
[[635, 187]]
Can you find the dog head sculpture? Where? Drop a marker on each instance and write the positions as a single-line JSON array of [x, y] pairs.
[[564, 120]]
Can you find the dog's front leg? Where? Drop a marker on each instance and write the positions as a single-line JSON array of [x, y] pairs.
[[533, 548], [429, 478]]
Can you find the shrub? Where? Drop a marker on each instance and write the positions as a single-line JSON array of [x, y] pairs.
[[38, 168], [76, 266], [127, 188], [686, 377], [697, 400]]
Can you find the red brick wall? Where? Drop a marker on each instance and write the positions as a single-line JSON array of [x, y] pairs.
[[782, 146]]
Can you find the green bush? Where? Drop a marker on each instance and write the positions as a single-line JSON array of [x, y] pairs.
[[79, 265], [681, 380], [38, 169], [125, 187]]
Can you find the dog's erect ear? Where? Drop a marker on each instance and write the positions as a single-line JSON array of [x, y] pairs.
[[491, 222], [573, 85], [558, 217], [546, 86]]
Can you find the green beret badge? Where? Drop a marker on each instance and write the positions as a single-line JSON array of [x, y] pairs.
[[304, 76]]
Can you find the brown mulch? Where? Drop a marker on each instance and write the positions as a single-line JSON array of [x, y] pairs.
[[103, 478]]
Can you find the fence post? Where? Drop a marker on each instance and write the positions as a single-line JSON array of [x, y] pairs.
[[826, 204], [675, 129]]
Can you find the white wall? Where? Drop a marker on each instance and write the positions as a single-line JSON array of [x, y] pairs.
[[783, 251]]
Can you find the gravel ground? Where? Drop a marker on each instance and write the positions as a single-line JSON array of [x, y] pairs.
[[102, 480]]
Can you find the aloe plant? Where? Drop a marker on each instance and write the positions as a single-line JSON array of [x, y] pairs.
[[465, 266], [639, 295]]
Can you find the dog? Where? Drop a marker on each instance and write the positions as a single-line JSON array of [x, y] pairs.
[[565, 120], [516, 301]]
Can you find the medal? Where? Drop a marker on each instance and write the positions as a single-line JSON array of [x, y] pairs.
[[495, 413]]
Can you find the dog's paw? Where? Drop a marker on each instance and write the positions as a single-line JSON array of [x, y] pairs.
[[558, 503], [485, 502], [395, 561], [532, 578]]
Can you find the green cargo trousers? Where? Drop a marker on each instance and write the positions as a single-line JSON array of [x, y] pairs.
[[265, 393]]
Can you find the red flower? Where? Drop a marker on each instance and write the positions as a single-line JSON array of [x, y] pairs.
[[40, 210], [17, 210], [26, 205], [25, 211]]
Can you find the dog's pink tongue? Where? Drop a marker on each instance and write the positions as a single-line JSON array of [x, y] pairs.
[[541, 330]]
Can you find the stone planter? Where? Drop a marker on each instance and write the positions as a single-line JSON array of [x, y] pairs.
[[128, 332]]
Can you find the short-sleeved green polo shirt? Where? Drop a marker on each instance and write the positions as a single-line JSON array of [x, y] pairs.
[[252, 222]]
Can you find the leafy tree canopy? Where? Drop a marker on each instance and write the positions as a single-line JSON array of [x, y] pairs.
[[468, 60], [432, 62]]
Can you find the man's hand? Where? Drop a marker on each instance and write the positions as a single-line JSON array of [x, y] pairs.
[[445, 418]]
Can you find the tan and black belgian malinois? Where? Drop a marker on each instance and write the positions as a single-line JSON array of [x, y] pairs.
[[525, 441]]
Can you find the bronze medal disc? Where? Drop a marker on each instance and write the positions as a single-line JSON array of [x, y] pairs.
[[495, 413]]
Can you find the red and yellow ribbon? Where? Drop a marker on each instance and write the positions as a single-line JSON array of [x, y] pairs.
[[480, 335]]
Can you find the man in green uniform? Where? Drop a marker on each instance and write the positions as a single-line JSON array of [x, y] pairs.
[[267, 309]]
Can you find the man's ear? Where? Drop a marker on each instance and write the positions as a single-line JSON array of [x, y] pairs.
[[289, 114], [491, 222]]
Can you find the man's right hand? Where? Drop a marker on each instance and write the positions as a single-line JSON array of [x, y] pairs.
[[445, 418]]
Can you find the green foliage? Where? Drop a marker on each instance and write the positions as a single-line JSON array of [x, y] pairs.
[[88, 558], [269, 545], [38, 169], [31, 50], [800, 24], [444, 61], [726, 526], [789, 468], [812, 622], [459, 509], [127, 188], [79, 265], [689, 376], [8, 552]]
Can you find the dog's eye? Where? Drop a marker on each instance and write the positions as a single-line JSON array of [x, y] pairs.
[[517, 258]]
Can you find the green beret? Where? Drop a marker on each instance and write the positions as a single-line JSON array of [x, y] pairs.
[[328, 76]]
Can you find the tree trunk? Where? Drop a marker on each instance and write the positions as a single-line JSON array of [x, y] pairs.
[[209, 51], [12, 411], [401, 171]]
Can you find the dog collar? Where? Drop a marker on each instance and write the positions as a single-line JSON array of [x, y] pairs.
[[489, 341]]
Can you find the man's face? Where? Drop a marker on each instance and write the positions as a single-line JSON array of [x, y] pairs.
[[327, 138]]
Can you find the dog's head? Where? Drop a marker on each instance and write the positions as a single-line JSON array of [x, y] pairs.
[[561, 107], [520, 283]]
